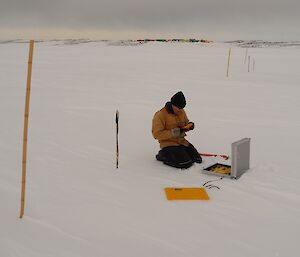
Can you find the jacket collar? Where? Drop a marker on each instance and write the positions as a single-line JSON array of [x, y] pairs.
[[169, 108]]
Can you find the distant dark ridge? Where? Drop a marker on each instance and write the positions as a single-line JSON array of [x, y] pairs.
[[261, 43], [16, 41], [238, 43], [58, 41], [19, 41], [76, 41]]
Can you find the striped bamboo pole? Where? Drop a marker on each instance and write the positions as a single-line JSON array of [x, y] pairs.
[[117, 139], [25, 131]]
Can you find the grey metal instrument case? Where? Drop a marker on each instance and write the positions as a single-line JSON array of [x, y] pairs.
[[240, 161]]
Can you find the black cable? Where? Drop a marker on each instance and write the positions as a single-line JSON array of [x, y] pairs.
[[212, 181], [212, 186]]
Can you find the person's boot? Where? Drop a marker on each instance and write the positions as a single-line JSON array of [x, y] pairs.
[[160, 156], [198, 159]]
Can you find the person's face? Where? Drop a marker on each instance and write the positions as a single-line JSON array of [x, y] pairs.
[[175, 109]]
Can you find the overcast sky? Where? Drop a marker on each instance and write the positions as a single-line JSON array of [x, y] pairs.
[[210, 19]]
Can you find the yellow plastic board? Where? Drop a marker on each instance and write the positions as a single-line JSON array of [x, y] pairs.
[[185, 193]]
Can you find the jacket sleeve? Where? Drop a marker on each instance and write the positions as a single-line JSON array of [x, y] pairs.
[[159, 131]]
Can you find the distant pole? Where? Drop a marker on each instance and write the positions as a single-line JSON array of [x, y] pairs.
[[246, 56], [25, 131], [248, 63], [228, 62], [117, 139], [253, 64]]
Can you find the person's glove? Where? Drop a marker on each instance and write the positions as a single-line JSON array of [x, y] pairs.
[[189, 126], [177, 132]]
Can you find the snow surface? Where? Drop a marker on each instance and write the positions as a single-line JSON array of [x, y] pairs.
[[78, 204]]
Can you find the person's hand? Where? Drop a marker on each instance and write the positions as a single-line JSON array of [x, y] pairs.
[[177, 132], [189, 126]]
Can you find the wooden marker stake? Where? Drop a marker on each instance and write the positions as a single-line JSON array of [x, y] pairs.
[[248, 63], [228, 62], [25, 134], [246, 56]]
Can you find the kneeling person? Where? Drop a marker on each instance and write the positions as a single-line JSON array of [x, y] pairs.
[[169, 126]]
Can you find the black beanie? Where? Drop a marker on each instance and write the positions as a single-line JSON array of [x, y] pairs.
[[178, 100]]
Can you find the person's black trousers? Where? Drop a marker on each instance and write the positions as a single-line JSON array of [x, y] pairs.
[[181, 156]]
